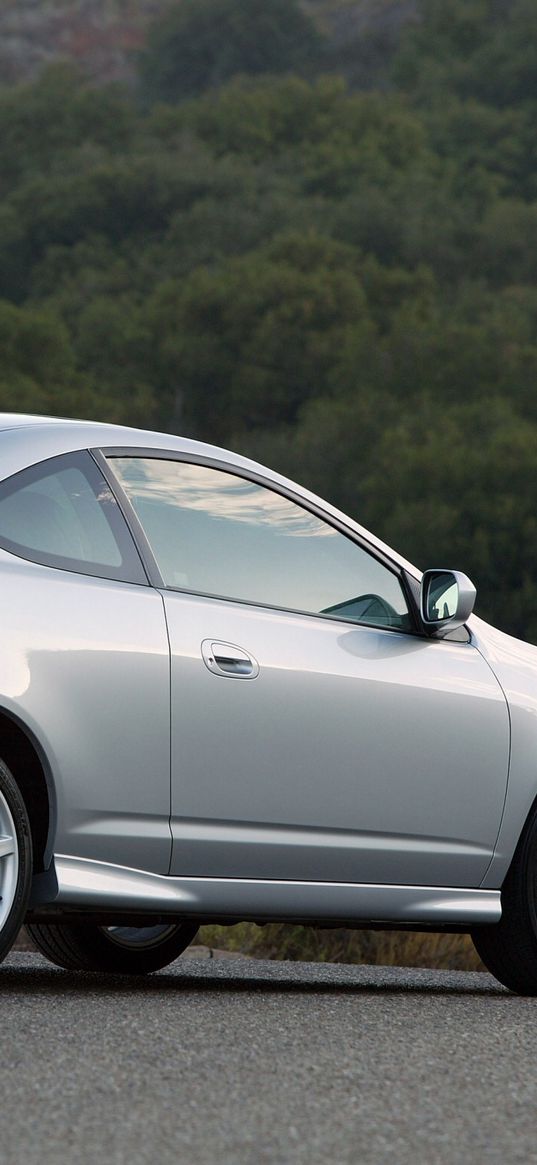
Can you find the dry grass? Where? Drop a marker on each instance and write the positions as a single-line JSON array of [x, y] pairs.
[[382, 948]]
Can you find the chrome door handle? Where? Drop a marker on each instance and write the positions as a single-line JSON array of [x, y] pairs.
[[225, 659]]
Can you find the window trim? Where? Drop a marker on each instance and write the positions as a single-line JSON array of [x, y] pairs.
[[103, 457], [131, 568]]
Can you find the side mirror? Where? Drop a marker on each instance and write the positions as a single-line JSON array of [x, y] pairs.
[[447, 600]]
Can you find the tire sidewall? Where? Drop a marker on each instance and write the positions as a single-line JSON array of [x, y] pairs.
[[527, 880], [121, 960], [17, 808], [77, 946]]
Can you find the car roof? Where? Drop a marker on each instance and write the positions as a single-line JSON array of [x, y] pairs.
[[26, 440], [23, 420]]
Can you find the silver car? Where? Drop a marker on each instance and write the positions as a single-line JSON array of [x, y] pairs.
[[222, 699]]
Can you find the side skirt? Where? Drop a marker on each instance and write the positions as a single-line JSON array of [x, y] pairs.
[[87, 885]]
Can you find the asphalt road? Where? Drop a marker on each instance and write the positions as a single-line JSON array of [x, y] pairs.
[[246, 1062]]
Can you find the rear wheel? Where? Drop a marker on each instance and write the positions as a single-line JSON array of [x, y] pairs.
[[509, 948], [15, 860], [123, 950]]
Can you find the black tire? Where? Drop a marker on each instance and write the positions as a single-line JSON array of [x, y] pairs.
[[15, 866], [114, 950], [509, 948]]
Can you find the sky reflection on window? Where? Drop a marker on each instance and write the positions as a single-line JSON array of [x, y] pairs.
[[222, 495]]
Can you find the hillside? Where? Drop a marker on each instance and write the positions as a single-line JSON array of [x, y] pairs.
[[103, 36], [98, 35]]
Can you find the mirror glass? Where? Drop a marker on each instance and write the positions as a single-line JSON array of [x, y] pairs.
[[442, 597]]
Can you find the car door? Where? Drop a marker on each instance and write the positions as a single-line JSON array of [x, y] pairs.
[[85, 661], [315, 734]]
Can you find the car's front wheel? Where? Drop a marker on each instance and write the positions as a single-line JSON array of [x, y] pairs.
[[15, 860], [119, 950], [509, 948]]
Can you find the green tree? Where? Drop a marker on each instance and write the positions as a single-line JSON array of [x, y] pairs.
[[200, 44], [506, 242], [248, 343], [38, 366], [483, 49], [325, 136], [43, 123]]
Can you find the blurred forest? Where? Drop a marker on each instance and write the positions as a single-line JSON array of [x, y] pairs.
[[316, 248]]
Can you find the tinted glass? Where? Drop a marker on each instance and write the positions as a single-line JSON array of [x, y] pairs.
[[216, 533], [62, 513]]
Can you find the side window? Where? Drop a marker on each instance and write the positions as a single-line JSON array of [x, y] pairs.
[[62, 513], [215, 533]]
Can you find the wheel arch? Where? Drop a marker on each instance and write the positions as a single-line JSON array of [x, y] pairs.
[[513, 831], [522, 834], [25, 758]]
